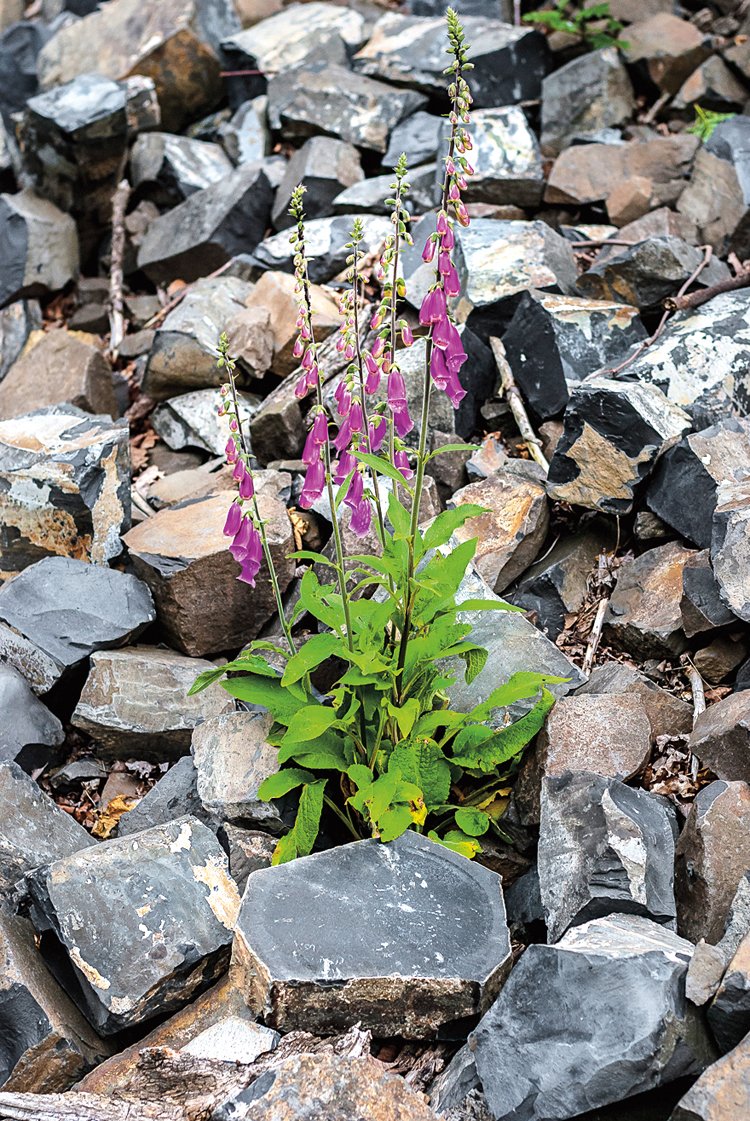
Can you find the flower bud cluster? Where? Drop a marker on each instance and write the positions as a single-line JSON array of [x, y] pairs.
[[241, 521]]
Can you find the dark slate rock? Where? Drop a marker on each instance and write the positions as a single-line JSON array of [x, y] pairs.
[[17, 321], [702, 607], [380, 926], [604, 848], [509, 62], [168, 168], [47, 1045], [76, 772], [587, 94], [324, 167], [325, 245], [729, 1013], [646, 273], [38, 247], [721, 737], [246, 137], [249, 850], [64, 487], [33, 830], [369, 195], [644, 615], [506, 158], [613, 432], [209, 228], [29, 733], [592, 1020], [19, 46], [65, 609], [717, 199], [232, 758], [167, 891], [730, 547], [419, 135], [174, 795], [317, 98], [453, 1085], [192, 421], [554, 340]]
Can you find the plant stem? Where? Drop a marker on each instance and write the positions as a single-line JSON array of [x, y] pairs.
[[342, 817]]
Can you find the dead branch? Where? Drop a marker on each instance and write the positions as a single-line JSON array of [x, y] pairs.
[[699, 705], [116, 308], [83, 1107], [595, 636], [682, 302], [517, 407]]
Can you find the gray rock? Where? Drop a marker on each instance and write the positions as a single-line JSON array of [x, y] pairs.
[[319, 98], [721, 737], [419, 135], [64, 487], [613, 432], [173, 796], [246, 137], [717, 199], [60, 610], [644, 615], [712, 84], [169, 168], [325, 244], [598, 1017], [589, 173], [324, 167], [369, 195], [208, 228], [166, 890], [66, 367], [701, 606], [453, 1085], [17, 321], [730, 546], [232, 758], [729, 1013], [509, 62], [33, 830], [192, 420], [234, 1039], [38, 247], [380, 927], [506, 158], [721, 1092], [667, 714], [299, 34], [125, 721], [604, 848], [645, 273], [29, 733], [553, 341], [591, 92], [249, 850], [47, 1045]]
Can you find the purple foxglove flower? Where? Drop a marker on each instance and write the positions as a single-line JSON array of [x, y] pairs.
[[378, 348], [247, 487], [441, 333], [468, 169], [311, 450], [454, 194], [448, 240], [402, 421], [370, 363], [444, 263], [319, 429], [378, 432], [315, 480], [401, 462], [307, 359], [300, 389], [251, 562], [343, 399], [234, 518], [442, 223], [242, 540], [239, 471], [311, 378], [230, 451], [345, 465], [376, 321], [462, 215], [429, 250], [233, 425], [372, 381], [396, 389], [455, 355], [454, 390], [355, 417], [354, 491], [438, 368], [299, 348], [433, 306], [343, 436], [451, 283], [450, 167], [407, 335], [361, 518], [349, 352]]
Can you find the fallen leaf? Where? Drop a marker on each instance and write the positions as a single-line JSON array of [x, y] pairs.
[[109, 817]]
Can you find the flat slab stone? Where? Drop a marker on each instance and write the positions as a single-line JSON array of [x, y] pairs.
[[65, 367], [167, 891], [232, 758], [299, 33], [174, 795], [667, 714], [721, 737], [644, 615], [372, 933], [506, 158]]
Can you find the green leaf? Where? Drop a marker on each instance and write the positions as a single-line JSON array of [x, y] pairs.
[[360, 774], [203, 680], [300, 839], [393, 822], [286, 849], [476, 659], [445, 525], [276, 786], [405, 715], [471, 821], [487, 605], [319, 602], [452, 448], [519, 687], [458, 842], [398, 516], [310, 722], [423, 763], [383, 467], [316, 650], [508, 743], [325, 752], [308, 554], [281, 702]]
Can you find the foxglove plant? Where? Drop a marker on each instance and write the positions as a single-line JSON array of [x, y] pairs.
[[383, 750]]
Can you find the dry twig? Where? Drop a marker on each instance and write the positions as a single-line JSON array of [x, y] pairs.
[[517, 407], [116, 308]]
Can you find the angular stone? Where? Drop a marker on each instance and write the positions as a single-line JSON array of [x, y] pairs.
[[722, 1092], [730, 546], [718, 661], [604, 848], [369, 195], [208, 228], [509, 62], [721, 737], [592, 1020], [277, 431], [553, 340], [64, 487], [324, 167], [512, 532], [166, 890], [587, 94], [249, 850], [630, 200], [325, 244], [701, 606], [47, 1045], [176, 42], [712, 855], [644, 614], [17, 321], [172, 796], [38, 247], [587, 173], [181, 553], [274, 291], [605, 734], [670, 49], [33, 830], [19, 47], [317, 98], [506, 157], [717, 199], [169, 168], [419, 135], [64, 368], [301, 33], [351, 971], [667, 714], [713, 85], [646, 273], [192, 420], [127, 722], [232, 758], [729, 1013], [246, 137], [613, 432], [29, 733]]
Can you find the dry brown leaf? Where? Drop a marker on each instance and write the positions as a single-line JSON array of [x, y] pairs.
[[111, 814]]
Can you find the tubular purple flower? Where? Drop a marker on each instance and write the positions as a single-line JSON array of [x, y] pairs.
[[377, 432], [320, 429], [251, 562], [442, 225], [451, 283], [407, 335], [396, 389], [444, 263], [355, 490], [311, 450], [343, 436], [230, 451], [361, 518], [454, 194], [455, 355], [428, 252], [299, 348], [234, 518], [378, 348], [376, 321], [401, 463], [343, 398], [300, 389], [307, 359], [355, 417], [448, 240], [247, 487], [370, 363], [441, 332], [346, 463], [239, 471], [454, 390], [315, 480], [242, 539], [462, 215], [433, 307], [438, 368], [402, 421], [372, 381]]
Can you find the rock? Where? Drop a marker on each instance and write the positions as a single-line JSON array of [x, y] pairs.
[[661, 222], [613, 432], [59, 610], [324, 167], [277, 429], [274, 291], [65, 368], [701, 606], [587, 173], [369, 195], [325, 242], [175, 42], [33, 830], [604, 848], [166, 890], [246, 137], [17, 321], [349, 971], [184, 568], [232, 758], [47, 1043], [553, 340], [619, 981], [29, 732], [19, 47], [713, 85], [646, 273], [669, 48], [513, 530], [644, 614], [320, 98], [419, 135], [729, 1013], [506, 157], [589, 93], [173, 796], [730, 547], [38, 244], [170, 168], [192, 420], [208, 228], [684, 488], [64, 487], [718, 196], [720, 658], [116, 713], [509, 62], [630, 200], [249, 850], [721, 1092], [605, 734], [721, 737], [667, 714], [327, 1085], [712, 855]]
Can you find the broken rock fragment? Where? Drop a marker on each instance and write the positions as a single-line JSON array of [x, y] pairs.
[[729, 1012], [39, 245], [166, 890], [232, 758], [587, 94], [730, 546], [721, 1092], [588, 173], [669, 48], [65, 368], [644, 615], [667, 714], [169, 168], [174, 795], [324, 167], [325, 244], [304, 958], [29, 733], [721, 737], [507, 159], [646, 273], [274, 292], [192, 420]]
